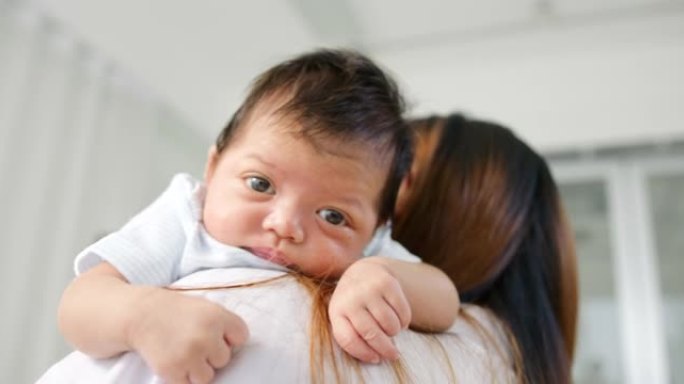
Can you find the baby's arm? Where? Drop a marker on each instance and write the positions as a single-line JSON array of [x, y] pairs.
[[376, 297], [116, 303], [182, 338]]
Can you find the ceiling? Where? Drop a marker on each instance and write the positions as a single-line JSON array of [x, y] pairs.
[[201, 55]]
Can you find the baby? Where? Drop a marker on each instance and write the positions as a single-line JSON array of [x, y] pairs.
[[303, 178]]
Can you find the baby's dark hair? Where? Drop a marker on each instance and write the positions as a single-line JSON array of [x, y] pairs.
[[340, 95]]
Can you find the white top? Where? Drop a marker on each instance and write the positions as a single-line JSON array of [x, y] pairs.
[[277, 351], [167, 241]]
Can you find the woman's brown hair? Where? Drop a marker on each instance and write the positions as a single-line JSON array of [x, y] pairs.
[[484, 208]]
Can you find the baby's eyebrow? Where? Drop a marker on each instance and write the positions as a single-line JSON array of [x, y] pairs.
[[352, 201], [257, 157]]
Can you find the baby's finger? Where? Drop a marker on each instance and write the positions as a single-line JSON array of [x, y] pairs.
[[172, 373], [369, 330], [351, 342], [386, 317], [400, 305], [235, 331], [220, 355], [176, 380], [201, 373]]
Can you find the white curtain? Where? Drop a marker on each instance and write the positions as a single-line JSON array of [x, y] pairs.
[[82, 147]]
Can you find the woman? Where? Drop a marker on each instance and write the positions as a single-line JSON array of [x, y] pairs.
[[478, 203], [483, 206]]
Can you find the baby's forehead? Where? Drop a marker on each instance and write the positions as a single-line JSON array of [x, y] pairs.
[[325, 140]]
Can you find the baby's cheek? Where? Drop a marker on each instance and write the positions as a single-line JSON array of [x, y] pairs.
[[346, 260], [218, 225], [330, 265]]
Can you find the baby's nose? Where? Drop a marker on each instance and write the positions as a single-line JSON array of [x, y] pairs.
[[285, 221]]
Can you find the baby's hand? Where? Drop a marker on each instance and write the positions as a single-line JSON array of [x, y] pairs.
[[184, 339], [367, 308]]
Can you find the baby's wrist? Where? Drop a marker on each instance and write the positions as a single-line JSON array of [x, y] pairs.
[[134, 318], [383, 261]]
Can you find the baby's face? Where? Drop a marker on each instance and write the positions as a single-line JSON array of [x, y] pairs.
[[272, 193]]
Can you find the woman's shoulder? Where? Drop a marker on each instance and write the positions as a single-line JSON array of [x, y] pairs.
[[487, 342], [475, 318], [277, 309], [474, 350]]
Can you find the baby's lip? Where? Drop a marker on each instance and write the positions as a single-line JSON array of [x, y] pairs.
[[270, 254]]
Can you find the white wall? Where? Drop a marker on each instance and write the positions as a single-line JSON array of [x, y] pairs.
[[578, 86], [586, 74], [82, 148]]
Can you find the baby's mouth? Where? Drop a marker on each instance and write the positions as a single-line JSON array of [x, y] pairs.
[[270, 254]]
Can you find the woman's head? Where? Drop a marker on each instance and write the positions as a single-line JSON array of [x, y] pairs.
[[482, 205]]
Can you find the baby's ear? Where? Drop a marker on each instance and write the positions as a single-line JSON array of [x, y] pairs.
[[212, 162]]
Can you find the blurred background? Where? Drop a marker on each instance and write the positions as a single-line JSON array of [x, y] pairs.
[[101, 102]]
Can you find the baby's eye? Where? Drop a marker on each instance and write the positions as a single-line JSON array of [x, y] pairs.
[[332, 216], [260, 185]]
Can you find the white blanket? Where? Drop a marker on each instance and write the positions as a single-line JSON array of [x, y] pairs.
[[278, 314]]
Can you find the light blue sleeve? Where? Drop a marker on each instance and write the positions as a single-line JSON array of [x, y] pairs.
[[382, 244], [148, 249]]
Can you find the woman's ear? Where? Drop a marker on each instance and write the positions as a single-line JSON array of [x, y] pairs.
[[212, 163]]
